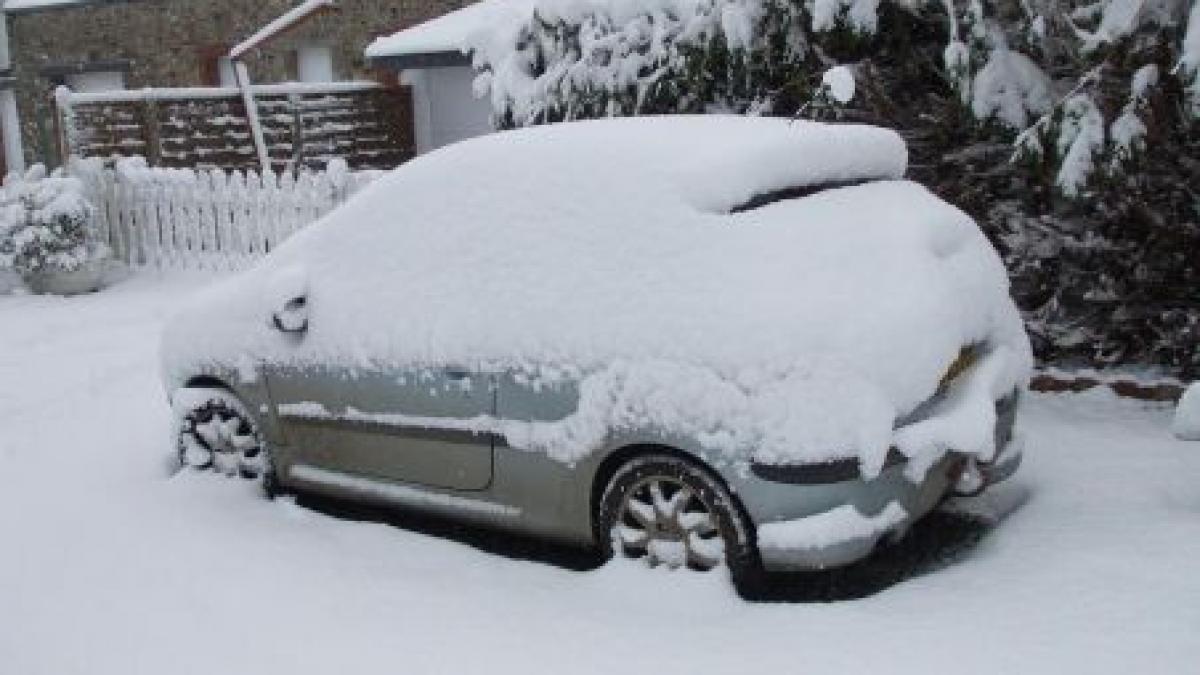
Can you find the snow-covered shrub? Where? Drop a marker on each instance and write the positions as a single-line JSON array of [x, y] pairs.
[[45, 223], [1069, 129]]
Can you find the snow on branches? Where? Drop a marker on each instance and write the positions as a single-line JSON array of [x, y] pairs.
[[1189, 60], [1011, 88], [1010, 62], [571, 60], [858, 15]]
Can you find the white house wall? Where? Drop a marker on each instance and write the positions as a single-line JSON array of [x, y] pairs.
[[10, 121], [444, 108]]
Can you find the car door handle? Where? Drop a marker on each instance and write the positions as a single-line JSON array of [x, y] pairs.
[[456, 373]]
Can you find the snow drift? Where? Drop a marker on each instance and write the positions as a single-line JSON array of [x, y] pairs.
[[621, 254]]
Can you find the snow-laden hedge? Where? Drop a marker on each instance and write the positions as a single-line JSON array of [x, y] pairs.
[[1069, 129]]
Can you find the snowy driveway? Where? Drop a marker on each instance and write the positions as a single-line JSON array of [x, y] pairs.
[[109, 565]]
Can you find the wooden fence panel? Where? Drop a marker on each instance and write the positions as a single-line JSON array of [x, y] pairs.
[[305, 126]]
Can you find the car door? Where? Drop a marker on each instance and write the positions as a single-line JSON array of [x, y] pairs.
[[404, 424]]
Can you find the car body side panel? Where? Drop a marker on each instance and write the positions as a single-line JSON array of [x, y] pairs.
[[385, 424], [521, 399], [528, 490], [432, 457], [551, 493], [556, 496]]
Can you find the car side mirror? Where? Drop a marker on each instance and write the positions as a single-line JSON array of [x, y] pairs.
[[293, 317]]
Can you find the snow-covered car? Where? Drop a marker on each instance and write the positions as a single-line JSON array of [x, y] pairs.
[[692, 340]]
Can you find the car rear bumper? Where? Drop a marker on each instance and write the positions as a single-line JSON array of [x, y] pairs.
[[819, 526], [1006, 463]]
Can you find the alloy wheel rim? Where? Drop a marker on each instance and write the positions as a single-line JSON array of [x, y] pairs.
[[224, 442], [665, 522]]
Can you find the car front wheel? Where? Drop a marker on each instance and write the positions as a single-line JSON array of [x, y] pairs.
[[670, 512], [215, 432]]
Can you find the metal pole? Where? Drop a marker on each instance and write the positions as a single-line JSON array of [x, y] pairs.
[[260, 145]]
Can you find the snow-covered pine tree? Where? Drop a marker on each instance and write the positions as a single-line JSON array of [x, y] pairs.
[[1070, 130]]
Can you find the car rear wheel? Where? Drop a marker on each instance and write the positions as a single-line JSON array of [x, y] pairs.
[[215, 432], [670, 512]]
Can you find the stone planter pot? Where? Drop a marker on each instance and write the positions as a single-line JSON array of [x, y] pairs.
[[86, 279]]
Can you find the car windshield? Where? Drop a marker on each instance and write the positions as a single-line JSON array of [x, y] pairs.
[[798, 192]]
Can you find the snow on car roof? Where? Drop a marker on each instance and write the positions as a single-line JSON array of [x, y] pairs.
[[716, 163], [608, 251]]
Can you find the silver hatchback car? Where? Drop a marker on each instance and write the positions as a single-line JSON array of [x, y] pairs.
[[479, 335]]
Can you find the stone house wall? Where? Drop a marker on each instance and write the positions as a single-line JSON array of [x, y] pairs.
[[175, 43]]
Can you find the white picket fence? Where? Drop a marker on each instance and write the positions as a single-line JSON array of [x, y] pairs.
[[181, 218]]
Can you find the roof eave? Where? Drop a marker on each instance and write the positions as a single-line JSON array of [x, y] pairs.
[[38, 9], [440, 59]]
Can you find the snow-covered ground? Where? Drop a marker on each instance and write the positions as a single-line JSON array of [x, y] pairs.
[[108, 564]]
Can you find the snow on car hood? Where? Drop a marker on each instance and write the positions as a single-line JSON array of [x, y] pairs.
[[607, 252]]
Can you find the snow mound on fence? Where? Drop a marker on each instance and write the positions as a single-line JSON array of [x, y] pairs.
[[1187, 415], [614, 253]]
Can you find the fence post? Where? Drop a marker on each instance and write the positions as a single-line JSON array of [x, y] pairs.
[[151, 131], [237, 199], [217, 191], [64, 123], [119, 199], [287, 205], [297, 104], [139, 255], [256, 131]]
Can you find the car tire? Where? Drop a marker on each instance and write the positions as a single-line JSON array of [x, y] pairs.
[[672, 512], [215, 432]]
